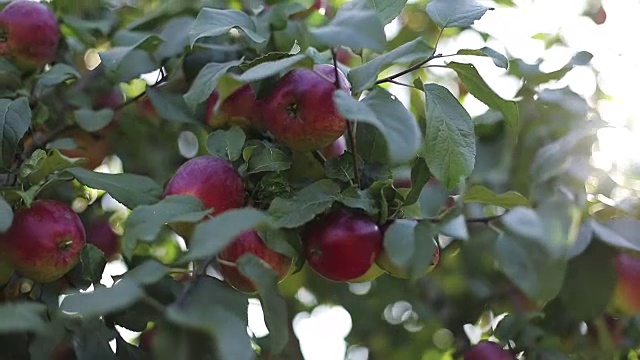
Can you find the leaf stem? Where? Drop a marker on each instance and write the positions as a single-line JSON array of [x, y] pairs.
[[350, 131], [416, 66]]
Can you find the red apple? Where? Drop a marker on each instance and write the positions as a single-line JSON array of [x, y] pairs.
[[6, 272], [627, 292], [250, 242], [240, 108], [336, 149], [44, 241], [300, 112], [145, 341], [342, 245], [101, 234], [31, 32], [92, 147], [487, 350], [109, 100], [212, 180], [374, 272]]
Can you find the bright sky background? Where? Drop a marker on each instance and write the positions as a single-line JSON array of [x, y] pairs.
[[617, 61]]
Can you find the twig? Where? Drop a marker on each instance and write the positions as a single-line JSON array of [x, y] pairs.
[[350, 132], [401, 84], [161, 78], [319, 157], [481, 220], [416, 66], [200, 271]]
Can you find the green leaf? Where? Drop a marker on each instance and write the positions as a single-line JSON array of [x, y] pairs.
[[215, 22], [355, 29], [450, 140], [498, 59], [359, 199], [6, 215], [455, 13], [206, 82], [58, 74], [114, 56], [479, 88], [364, 76], [145, 222], [507, 200], [283, 241], [620, 233], [15, 120], [423, 249], [553, 159], [93, 120], [387, 10], [129, 189], [226, 144], [221, 312], [265, 158], [455, 228], [304, 205], [267, 69], [530, 267], [410, 246], [170, 106], [524, 222], [420, 174], [22, 316], [52, 163], [212, 235], [341, 167], [387, 114], [126, 351], [273, 305], [593, 269], [103, 300], [92, 263]]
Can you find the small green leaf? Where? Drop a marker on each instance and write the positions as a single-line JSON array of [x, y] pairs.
[[359, 199], [227, 144], [355, 29], [450, 140], [420, 174], [93, 120], [170, 106], [219, 311], [283, 241], [129, 189], [50, 164], [212, 235], [304, 205], [206, 82], [273, 305], [410, 246], [114, 56], [530, 267], [266, 158], [341, 167], [15, 120], [92, 263], [6, 215], [145, 222], [387, 10], [455, 228], [387, 114], [126, 351], [507, 200], [423, 249], [455, 13], [620, 233], [215, 22], [267, 69], [22, 316], [103, 300], [364, 76], [593, 269], [498, 59], [479, 88], [524, 222], [58, 74]]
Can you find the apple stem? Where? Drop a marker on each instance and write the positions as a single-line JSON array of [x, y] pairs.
[[350, 131]]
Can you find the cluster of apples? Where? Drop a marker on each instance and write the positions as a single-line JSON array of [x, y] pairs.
[[28, 33], [344, 245]]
